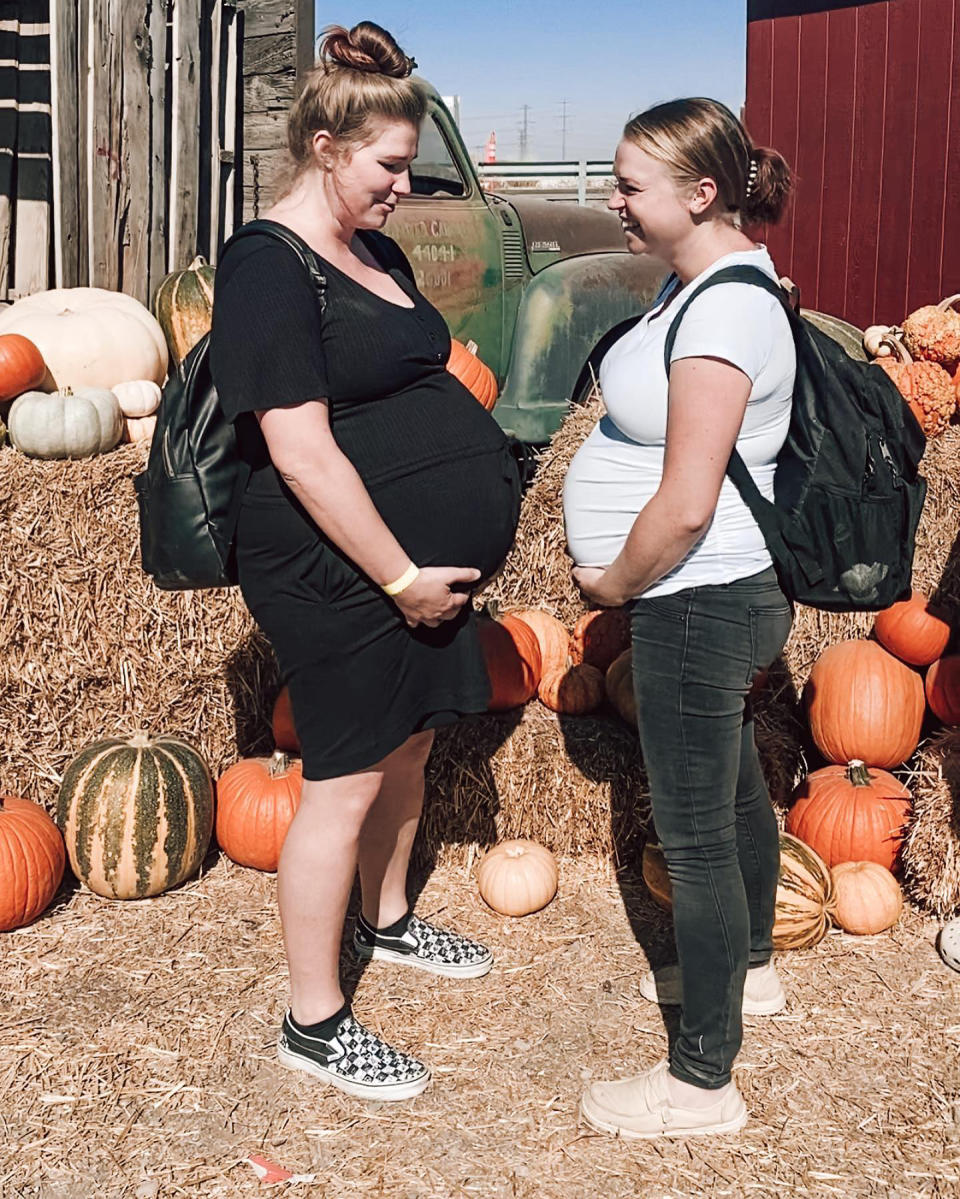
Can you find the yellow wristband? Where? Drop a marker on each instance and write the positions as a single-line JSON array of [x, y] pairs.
[[403, 582]]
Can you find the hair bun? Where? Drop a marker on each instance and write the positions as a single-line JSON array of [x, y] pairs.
[[365, 47]]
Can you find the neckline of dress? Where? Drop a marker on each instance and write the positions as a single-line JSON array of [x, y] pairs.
[[386, 270]]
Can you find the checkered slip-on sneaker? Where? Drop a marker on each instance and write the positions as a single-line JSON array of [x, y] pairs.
[[353, 1059], [426, 947]]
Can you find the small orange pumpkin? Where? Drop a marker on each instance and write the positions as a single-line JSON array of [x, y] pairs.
[[864, 704], [851, 814], [33, 858], [281, 721], [942, 687], [257, 799], [925, 386], [572, 690], [867, 898], [601, 636], [618, 684], [914, 630], [551, 634], [474, 374], [653, 868], [21, 365], [139, 428], [512, 657], [516, 878]]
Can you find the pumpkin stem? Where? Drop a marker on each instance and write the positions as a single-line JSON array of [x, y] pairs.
[[140, 739], [893, 341], [858, 774], [948, 302], [279, 764], [197, 263], [472, 346]]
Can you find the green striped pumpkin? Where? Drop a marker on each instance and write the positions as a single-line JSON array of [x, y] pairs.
[[183, 304], [136, 815], [805, 898]]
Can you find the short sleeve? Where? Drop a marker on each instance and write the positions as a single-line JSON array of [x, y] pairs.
[[265, 347], [734, 322]]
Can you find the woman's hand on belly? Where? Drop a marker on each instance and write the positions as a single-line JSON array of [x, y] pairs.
[[595, 583], [429, 599]]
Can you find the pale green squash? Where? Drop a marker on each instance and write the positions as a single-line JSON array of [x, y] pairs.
[[65, 424]]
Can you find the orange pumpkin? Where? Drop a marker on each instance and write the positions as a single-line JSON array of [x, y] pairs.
[[926, 387], [913, 630], [516, 878], [281, 720], [942, 687], [512, 657], [32, 861], [618, 684], [867, 898], [474, 374], [572, 690], [551, 634], [257, 799], [864, 703], [21, 366], [851, 814], [653, 868], [601, 636], [933, 333]]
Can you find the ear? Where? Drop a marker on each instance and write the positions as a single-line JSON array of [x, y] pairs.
[[325, 149], [702, 195]]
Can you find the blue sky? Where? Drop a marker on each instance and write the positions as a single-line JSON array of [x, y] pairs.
[[606, 60]]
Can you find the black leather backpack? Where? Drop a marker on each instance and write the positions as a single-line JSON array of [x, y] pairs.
[[847, 493], [189, 495]]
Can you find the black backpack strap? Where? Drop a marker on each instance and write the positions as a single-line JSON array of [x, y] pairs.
[[764, 513], [307, 256]]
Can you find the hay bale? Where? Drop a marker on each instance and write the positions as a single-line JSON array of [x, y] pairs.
[[91, 648], [931, 853]]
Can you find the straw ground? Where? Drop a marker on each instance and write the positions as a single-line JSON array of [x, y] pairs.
[[137, 1057]]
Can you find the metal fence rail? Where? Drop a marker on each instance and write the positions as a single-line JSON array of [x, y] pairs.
[[577, 171]]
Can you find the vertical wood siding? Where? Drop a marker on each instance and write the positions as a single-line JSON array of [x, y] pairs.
[[863, 100]]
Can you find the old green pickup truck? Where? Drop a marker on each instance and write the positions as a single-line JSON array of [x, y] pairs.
[[542, 286], [539, 285]]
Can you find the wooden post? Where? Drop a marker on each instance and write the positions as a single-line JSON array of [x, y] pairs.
[[109, 196], [306, 36], [84, 138], [185, 173], [158, 192], [134, 226], [229, 155], [216, 126]]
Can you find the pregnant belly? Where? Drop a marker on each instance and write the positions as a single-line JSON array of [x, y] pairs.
[[460, 513]]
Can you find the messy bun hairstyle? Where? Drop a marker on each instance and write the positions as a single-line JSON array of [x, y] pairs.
[[698, 138], [362, 76]]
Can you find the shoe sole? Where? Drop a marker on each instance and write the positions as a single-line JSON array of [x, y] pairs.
[[769, 1007], [474, 970], [629, 1134], [387, 1093]]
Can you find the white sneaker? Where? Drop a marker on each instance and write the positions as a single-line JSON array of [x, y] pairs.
[[640, 1108], [762, 990]]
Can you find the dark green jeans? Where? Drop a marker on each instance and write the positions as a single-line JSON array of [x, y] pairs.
[[695, 656]]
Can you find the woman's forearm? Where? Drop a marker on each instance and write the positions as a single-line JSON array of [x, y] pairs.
[[335, 497], [660, 538]]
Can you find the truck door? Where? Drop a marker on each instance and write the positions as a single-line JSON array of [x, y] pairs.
[[450, 235]]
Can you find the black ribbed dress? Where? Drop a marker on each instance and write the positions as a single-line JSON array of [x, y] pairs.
[[436, 465]]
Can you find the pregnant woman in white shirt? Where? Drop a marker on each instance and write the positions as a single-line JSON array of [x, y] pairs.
[[652, 521]]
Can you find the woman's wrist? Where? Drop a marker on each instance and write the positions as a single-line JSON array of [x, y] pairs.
[[402, 582]]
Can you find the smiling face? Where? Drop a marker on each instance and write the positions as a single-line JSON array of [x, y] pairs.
[[655, 214], [367, 180]]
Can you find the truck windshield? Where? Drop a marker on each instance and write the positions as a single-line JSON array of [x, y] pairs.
[[434, 173]]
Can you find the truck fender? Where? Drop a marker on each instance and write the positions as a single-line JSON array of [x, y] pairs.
[[566, 312]]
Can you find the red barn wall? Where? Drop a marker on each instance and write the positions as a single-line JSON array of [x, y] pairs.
[[863, 100]]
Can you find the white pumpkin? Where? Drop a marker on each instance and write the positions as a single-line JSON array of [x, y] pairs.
[[65, 424], [90, 337], [139, 428], [138, 397]]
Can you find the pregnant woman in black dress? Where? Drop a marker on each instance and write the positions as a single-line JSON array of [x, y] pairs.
[[380, 494]]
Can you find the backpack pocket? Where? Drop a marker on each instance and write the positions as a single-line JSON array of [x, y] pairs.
[[176, 547]]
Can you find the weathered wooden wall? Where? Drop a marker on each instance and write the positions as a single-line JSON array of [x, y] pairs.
[[278, 45], [863, 99], [160, 126]]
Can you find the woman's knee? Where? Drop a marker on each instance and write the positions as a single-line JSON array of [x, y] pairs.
[[411, 755]]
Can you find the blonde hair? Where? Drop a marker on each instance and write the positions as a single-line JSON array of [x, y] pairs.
[[362, 76], [698, 138]]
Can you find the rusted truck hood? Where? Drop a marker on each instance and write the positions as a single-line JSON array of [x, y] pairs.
[[555, 229]]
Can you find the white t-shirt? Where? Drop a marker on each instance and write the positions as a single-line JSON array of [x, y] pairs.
[[620, 465]]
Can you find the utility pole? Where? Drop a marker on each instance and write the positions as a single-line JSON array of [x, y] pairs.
[[524, 128], [563, 130]]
